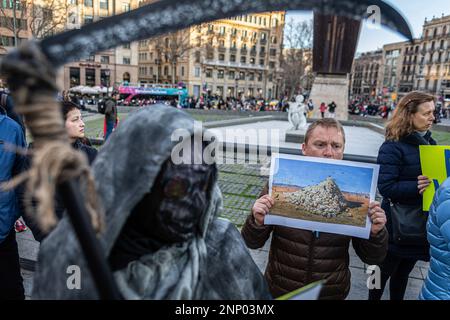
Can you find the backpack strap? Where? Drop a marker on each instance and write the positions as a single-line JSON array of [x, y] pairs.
[[3, 97]]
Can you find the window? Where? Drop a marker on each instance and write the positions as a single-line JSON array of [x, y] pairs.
[[151, 71], [166, 70], [197, 71], [142, 71], [182, 71], [259, 76], [274, 40], [90, 77], [233, 58], [251, 76], [231, 75], [241, 75], [126, 60], [273, 52], [261, 62], [104, 59], [74, 74], [243, 59], [127, 46], [88, 19], [220, 74], [91, 58], [88, 3], [221, 57], [125, 7], [143, 56], [252, 60], [222, 31], [143, 44], [104, 4], [209, 73], [271, 64]]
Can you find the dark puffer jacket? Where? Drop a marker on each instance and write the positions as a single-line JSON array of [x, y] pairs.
[[399, 168], [299, 257]]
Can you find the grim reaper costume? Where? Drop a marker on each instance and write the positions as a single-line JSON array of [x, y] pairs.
[[163, 238]]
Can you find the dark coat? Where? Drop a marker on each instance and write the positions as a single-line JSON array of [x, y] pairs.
[[38, 233], [399, 168], [300, 257]]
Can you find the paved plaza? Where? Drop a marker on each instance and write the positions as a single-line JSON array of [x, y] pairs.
[[359, 140]]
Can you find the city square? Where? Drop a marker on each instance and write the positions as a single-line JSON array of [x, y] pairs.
[[293, 80]]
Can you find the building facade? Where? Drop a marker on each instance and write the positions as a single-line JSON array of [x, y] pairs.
[[364, 78], [433, 67], [237, 57], [105, 68], [9, 38]]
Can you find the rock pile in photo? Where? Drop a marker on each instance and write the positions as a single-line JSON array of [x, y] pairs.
[[323, 199]]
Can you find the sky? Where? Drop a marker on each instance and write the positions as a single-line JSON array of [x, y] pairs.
[[414, 11], [348, 178]]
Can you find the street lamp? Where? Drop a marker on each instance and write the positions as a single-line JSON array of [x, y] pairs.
[[107, 74], [236, 79]]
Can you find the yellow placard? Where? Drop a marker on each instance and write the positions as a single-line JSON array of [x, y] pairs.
[[435, 163]]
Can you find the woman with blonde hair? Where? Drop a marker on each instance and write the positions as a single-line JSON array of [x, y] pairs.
[[402, 184]]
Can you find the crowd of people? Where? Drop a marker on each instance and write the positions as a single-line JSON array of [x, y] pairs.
[[173, 240]]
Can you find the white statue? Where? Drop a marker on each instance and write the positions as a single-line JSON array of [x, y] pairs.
[[296, 114]]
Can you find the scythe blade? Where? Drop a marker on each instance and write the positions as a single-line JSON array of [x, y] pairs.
[[171, 15]]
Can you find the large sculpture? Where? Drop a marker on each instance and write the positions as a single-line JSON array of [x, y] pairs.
[[335, 40], [296, 114]]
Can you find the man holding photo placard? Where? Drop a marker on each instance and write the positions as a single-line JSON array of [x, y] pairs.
[[299, 257]]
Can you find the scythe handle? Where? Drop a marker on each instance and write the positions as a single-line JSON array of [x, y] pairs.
[[101, 273]]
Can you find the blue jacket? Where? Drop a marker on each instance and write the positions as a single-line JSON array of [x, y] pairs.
[[10, 164], [399, 168], [437, 283]]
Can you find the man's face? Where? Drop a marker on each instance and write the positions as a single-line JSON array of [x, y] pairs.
[[325, 143]]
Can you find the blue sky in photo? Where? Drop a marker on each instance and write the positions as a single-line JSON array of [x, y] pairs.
[[305, 173], [415, 12]]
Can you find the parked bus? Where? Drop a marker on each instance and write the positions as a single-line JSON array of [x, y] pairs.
[[144, 94]]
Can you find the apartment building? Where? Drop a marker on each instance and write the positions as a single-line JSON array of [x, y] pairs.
[[237, 57]]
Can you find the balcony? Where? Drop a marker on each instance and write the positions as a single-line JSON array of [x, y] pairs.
[[263, 41], [222, 49], [244, 51], [233, 49], [262, 53], [253, 53], [225, 64]]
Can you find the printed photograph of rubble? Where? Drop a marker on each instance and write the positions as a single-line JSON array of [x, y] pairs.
[[322, 192]]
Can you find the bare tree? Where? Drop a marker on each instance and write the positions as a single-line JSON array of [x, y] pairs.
[[47, 17], [42, 18], [13, 17], [171, 48], [297, 55]]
